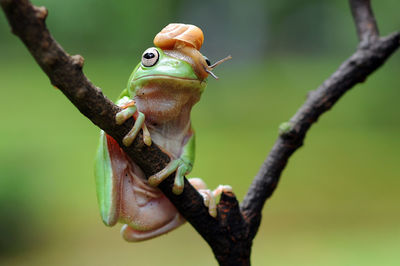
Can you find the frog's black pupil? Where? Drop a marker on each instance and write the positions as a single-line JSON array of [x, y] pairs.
[[149, 55], [208, 62]]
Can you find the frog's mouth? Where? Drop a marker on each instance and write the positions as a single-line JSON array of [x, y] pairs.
[[163, 76], [168, 81]]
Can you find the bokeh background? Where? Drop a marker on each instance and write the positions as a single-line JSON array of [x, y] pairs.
[[338, 200]]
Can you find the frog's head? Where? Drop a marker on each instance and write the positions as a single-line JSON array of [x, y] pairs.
[[176, 61], [171, 70]]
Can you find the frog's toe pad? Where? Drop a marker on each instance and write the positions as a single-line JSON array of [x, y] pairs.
[[209, 201], [124, 115], [222, 189]]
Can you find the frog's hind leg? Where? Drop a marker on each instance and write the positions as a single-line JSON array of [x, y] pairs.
[[110, 163], [132, 235]]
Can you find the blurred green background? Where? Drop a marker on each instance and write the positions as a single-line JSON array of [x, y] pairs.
[[338, 200]]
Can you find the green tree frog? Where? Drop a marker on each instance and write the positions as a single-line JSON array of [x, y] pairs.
[[160, 94]]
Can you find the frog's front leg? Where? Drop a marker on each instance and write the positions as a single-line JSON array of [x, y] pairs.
[[183, 165], [130, 109]]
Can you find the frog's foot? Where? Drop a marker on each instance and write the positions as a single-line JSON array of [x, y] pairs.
[[181, 166], [209, 196], [209, 201], [130, 109], [222, 189]]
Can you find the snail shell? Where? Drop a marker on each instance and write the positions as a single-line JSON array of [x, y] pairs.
[[177, 34]]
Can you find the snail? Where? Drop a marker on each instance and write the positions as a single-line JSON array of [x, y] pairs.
[[184, 41]]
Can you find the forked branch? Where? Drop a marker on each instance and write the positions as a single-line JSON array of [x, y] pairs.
[[230, 236]]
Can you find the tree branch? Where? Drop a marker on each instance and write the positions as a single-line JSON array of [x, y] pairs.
[[356, 69], [230, 235]]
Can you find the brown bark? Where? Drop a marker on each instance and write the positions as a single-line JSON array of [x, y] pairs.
[[230, 235]]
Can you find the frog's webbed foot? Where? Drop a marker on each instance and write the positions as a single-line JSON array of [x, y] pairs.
[[181, 166], [130, 109], [209, 197]]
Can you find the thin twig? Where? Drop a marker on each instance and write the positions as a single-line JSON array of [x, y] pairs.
[[367, 29]]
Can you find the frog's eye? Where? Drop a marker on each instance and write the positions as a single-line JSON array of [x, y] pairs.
[[150, 57], [207, 61]]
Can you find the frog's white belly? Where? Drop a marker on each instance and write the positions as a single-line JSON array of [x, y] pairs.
[[166, 105], [170, 138]]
